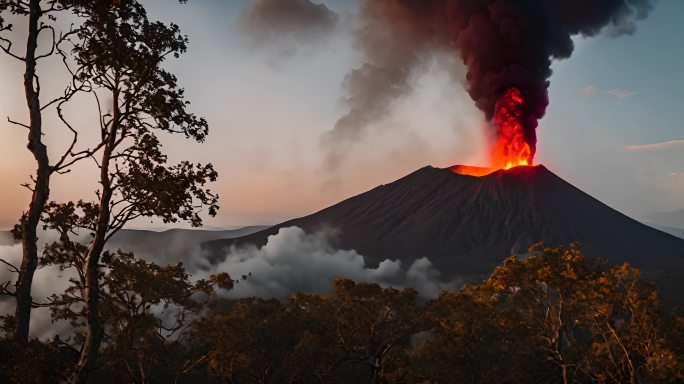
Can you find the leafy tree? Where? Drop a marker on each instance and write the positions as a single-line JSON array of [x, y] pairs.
[[373, 327], [551, 317], [143, 307], [249, 342], [471, 340], [118, 52], [145, 310], [362, 333], [629, 343]]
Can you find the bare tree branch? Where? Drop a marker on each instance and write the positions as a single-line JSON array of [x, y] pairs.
[[12, 267], [18, 123], [8, 49], [4, 290]]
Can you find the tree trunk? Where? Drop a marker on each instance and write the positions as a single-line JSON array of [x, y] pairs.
[[41, 188], [91, 347]]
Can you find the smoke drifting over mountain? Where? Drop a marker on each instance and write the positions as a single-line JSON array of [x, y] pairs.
[[397, 49], [503, 43], [294, 261], [286, 24]]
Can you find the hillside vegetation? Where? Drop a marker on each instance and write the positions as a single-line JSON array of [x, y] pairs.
[[552, 317]]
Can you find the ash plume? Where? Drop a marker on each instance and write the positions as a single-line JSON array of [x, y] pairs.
[[286, 24], [504, 44], [395, 53]]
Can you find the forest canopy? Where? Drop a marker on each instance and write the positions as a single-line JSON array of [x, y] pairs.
[[551, 317]]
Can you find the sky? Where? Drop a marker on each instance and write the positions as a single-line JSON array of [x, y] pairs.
[[613, 126]]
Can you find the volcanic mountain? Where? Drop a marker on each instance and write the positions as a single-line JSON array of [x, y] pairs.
[[466, 225]]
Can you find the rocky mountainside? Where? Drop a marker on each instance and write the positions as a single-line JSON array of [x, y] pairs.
[[466, 225]]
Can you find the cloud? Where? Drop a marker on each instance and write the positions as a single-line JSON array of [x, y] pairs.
[[656, 146], [590, 90], [285, 25], [294, 261], [621, 94], [45, 282], [291, 261]]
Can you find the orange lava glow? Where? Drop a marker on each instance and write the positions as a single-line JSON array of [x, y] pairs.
[[472, 171], [510, 149]]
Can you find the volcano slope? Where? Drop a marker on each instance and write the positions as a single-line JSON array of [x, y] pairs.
[[466, 225]]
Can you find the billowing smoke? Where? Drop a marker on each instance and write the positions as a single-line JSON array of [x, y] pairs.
[[172, 246], [294, 261], [397, 48], [505, 44], [286, 24]]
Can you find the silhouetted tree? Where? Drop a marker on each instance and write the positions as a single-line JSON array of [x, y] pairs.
[[38, 15], [145, 309], [119, 53]]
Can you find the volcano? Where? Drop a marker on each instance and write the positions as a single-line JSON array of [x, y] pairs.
[[466, 225]]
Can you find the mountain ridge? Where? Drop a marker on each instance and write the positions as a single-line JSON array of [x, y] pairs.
[[674, 219], [466, 225]]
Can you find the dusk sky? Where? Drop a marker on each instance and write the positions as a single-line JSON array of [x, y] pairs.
[[613, 128]]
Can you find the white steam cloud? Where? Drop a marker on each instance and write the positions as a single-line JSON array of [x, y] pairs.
[[291, 261], [294, 261]]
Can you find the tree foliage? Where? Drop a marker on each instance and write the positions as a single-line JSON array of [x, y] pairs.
[[114, 53], [119, 53], [360, 333], [552, 317]]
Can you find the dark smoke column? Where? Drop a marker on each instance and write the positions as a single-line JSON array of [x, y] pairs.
[[507, 47]]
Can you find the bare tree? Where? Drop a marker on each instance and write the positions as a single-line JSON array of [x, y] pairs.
[[38, 15]]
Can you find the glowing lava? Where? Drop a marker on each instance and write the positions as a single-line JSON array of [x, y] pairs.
[[510, 149]]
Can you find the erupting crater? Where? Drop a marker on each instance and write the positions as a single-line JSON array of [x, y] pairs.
[[470, 170], [512, 148]]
